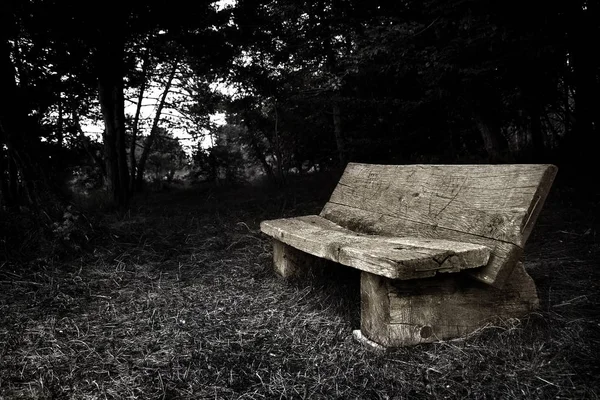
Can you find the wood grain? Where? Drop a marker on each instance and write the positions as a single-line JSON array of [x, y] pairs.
[[492, 201], [400, 313], [393, 257], [503, 255], [289, 262], [491, 205]]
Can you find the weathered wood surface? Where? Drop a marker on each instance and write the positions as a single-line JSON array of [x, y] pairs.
[[399, 223], [491, 205], [401, 313], [392, 257], [290, 262], [504, 255]]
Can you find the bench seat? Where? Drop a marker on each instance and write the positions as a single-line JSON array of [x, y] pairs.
[[389, 256]]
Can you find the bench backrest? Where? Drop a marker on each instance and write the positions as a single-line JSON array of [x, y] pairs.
[[493, 205]]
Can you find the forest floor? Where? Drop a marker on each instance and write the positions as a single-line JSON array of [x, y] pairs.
[[177, 299]]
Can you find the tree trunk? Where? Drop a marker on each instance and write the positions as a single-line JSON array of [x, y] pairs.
[[537, 134], [13, 177], [85, 143], [59, 127], [110, 69], [493, 142], [153, 131], [136, 121], [331, 63], [8, 175], [18, 135], [583, 35], [337, 130], [260, 156], [277, 147], [5, 197]]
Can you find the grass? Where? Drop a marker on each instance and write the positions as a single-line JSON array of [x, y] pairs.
[[177, 300]]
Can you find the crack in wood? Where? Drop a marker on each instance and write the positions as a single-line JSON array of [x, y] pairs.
[[446, 257], [383, 215], [447, 204]]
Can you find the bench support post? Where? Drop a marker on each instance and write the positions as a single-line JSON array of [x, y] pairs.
[[400, 313], [290, 262]]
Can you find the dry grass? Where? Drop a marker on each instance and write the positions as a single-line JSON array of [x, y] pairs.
[[176, 300]]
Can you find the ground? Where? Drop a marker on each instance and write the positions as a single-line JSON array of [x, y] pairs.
[[177, 299]]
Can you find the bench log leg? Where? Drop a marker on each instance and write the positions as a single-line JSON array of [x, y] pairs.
[[402, 313], [290, 262]]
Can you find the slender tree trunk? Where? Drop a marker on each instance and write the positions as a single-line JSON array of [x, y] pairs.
[[110, 92], [6, 199], [19, 135], [85, 143], [260, 156], [567, 106], [7, 83], [583, 35], [277, 147], [339, 137], [153, 131], [13, 176], [537, 134], [214, 168], [8, 175], [136, 121], [18, 64], [331, 63], [59, 127], [493, 141]]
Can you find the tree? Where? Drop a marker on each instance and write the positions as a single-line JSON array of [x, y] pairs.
[[111, 38], [109, 62], [140, 167], [298, 53], [582, 21], [319, 83], [416, 80], [167, 155], [185, 101], [228, 158], [25, 100]]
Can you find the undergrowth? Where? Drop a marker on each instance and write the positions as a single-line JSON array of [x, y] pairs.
[[176, 299]]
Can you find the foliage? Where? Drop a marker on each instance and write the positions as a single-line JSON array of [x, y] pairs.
[[416, 81], [228, 158], [316, 83], [166, 157], [68, 61]]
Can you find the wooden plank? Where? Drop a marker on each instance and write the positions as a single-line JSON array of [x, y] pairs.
[[492, 201], [392, 257], [504, 256], [400, 313], [492, 205]]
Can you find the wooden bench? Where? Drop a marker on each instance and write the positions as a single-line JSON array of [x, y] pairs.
[[438, 245]]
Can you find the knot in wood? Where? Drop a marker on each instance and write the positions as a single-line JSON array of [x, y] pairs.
[[426, 332]]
